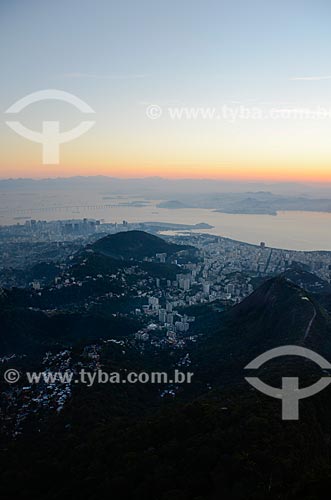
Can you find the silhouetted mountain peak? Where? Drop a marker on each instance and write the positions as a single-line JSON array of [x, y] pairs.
[[280, 312], [135, 245], [270, 292]]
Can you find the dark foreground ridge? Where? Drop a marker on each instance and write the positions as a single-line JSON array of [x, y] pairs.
[[217, 438]]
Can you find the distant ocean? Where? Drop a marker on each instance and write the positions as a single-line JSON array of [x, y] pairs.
[[289, 230]]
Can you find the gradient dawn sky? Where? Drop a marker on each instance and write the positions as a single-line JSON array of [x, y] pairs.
[[246, 57]]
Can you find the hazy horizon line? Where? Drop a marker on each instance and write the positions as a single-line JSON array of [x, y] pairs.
[[155, 177]]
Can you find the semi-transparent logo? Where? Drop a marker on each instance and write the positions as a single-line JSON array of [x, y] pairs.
[[289, 393], [50, 137]]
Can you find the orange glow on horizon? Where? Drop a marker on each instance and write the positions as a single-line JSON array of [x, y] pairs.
[[229, 172], [244, 155]]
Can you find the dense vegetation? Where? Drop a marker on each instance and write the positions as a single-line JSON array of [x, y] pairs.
[[218, 438]]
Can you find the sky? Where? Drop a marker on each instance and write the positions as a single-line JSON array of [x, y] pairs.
[[130, 61]]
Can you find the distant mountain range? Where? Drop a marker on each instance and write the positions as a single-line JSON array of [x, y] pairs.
[[260, 202], [223, 196], [152, 186]]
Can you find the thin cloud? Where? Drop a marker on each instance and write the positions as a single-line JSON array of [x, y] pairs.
[[102, 77], [311, 78]]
